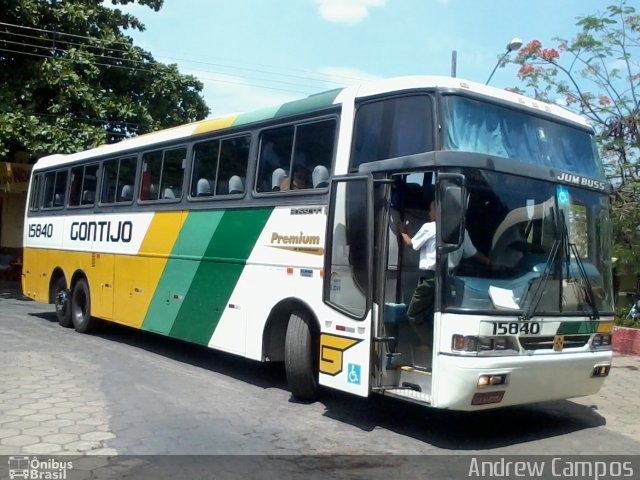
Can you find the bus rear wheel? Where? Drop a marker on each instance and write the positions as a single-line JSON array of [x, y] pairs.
[[62, 303], [81, 307], [301, 357]]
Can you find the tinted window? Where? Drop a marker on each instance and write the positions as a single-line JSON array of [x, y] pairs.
[[162, 173], [474, 126], [34, 201], [55, 185], [220, 167], [296, 157], [118, 177], [82, 190], [392, 128]]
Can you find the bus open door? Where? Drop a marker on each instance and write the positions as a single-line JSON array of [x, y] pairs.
[[345, 340]]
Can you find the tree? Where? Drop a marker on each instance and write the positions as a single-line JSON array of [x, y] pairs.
[[597, 74], [70, 79]]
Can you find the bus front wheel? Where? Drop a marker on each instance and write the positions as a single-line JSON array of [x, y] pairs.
[[301, 357], [61, 300], [81, 307]]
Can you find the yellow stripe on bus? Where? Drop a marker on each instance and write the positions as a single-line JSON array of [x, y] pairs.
[[215, 124], [138, 275], [605, 327]]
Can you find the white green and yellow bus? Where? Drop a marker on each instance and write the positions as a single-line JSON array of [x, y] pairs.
[[274, 235]]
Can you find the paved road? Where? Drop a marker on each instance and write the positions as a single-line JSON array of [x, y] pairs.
[[128, 392]]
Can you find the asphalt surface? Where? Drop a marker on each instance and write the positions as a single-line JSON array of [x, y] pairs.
[[123, 392]]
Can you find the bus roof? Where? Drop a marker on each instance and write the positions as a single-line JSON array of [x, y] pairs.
[[309, 104]]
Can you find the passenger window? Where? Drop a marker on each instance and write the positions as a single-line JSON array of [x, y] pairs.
[[232, 168], [304, 164], [34, 201], [275, 159], [82, 191], [118, 177], [162, 174], [55, 186], [220, 167]]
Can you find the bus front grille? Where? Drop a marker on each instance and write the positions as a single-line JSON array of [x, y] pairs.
[[546, 343]]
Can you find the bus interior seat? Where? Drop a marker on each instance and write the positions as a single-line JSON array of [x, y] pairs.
[[58, 200], [168, 193], [278, 175], [203, 188], [236, 184], [126, 195], [88, 197], [320, 176]]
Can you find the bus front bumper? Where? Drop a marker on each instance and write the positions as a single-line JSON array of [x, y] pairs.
[[526, 379]]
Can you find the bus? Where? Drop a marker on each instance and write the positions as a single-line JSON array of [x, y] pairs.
[[274, 235]]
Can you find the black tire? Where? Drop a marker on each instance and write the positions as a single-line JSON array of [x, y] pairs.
[[62, 301], [81, 307], [301, 357]]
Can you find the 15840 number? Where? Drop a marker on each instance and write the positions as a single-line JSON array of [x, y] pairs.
[[514, 328]]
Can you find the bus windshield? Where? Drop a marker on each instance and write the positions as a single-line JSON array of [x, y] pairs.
[[548, 247], [480, 127]]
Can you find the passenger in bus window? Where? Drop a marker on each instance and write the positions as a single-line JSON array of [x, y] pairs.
[[420, 309], [300, 181]]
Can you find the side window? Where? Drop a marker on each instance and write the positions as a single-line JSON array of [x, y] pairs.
[[82, 191], [232, 168], [312, 157], [205, 168], [220, 167], [34, 201], [303, 163], [55, 186], [118, 177], [275, 158], [162, 174], [392, 128]]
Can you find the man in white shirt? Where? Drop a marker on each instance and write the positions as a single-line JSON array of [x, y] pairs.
[[421, 305], [420, 308]]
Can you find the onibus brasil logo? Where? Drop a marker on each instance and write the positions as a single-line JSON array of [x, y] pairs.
[[35, 469]]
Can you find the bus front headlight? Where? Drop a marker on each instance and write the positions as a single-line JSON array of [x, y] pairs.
[[483, 344]]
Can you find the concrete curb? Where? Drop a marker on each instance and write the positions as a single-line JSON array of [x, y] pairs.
[[626, 340]]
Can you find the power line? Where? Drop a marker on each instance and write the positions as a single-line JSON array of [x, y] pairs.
[[148, 71], [56, 41], [327, 79]]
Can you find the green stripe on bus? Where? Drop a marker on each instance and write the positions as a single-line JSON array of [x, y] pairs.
[[191, 245], [569, 328], [311, 103], [218, 273]]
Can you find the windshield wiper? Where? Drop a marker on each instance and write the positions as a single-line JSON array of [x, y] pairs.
[[562, 244], [542, 283], [570, 248]]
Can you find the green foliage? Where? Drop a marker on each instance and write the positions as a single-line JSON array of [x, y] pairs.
[[70, 79], [597, 74]]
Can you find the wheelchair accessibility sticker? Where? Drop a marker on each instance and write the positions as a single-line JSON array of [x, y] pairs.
[[353, 375]]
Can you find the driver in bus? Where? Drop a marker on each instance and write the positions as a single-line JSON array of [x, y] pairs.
[[421, 305], [420, 308]]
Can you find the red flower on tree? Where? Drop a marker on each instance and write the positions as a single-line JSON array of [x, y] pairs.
[[548, 54]]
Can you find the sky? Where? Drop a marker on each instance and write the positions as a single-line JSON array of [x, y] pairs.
[[251, 54]]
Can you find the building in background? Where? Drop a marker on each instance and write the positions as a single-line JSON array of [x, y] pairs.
[[14, 181]]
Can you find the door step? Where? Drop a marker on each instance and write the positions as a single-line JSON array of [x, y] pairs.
[[409, 394], [416, 369]]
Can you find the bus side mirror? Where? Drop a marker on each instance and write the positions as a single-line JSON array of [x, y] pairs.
[[453, 196]]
